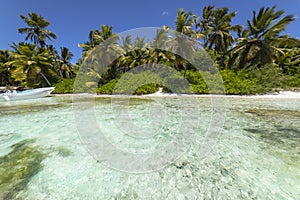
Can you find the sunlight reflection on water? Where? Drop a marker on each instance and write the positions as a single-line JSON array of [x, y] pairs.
[[257, 155]]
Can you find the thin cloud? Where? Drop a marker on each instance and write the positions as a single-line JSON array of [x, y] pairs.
[[165, 13]]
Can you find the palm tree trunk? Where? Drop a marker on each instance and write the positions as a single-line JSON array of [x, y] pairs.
[[184, 71], [45, 78]]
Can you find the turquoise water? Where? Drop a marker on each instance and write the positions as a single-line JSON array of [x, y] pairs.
[[256, 156]]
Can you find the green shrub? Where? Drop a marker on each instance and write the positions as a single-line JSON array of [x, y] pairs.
[[251, 81], [236, 85], [254, 80], [200, 89], [289, 81], [194, 77], [147, 89], [64, 86], [204, 82], [107, 88], [137, 83], [177, 84]]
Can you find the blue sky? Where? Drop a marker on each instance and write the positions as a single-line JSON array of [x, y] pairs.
[[71, 20]]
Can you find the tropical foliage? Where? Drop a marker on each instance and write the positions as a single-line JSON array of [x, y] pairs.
[[65, 66], [261, 43], [251, 59], [31, 65], [35, 64], [36, 30], [5, 70]]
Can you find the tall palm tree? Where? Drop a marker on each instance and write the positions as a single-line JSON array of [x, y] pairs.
[[32, 65], [289, 62], [140, 43], [259, 43], [5, 69], [124, 60], [158, 53], [96, 37], [205, 24], [36, 30], [65, 66], [127, 43], [101, 61], [184, 25], [136, 53], [76, 66], [218, 29], [55, 59]]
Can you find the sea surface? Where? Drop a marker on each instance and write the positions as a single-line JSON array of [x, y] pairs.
[[232, 148]]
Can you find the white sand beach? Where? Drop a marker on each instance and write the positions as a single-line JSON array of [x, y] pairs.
[[280, 94]]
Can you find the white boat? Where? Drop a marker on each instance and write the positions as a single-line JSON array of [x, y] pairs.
[[28, 94]]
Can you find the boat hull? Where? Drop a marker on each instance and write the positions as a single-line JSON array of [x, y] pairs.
[[28, 94]]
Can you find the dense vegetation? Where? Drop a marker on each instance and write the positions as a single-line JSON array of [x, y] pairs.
[[251, 59]]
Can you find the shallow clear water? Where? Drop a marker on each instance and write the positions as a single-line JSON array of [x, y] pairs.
[[256, 156]]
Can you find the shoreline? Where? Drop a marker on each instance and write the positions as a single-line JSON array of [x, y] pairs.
[[280, 94]]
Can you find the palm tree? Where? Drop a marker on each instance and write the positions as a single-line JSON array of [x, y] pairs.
[[205, 24], [101, 61], [55, 59], [140, 43], [5, 69], [259, 43], [184, 24], [31, 64], [127, 44], [217, 28], [158, 53], [136, 53], [140, 52], [289, 62], [76, 66], [65, 66], [36, 30], [96, 37]]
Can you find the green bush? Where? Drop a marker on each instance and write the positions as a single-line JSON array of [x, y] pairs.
[[236, 85], [254, 80], [177, 84], [64, 86], [137, 83], [243, 82], [204, 82], [200, 89], [194, 77], [107, 88], [289, 81], [147, 89]]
